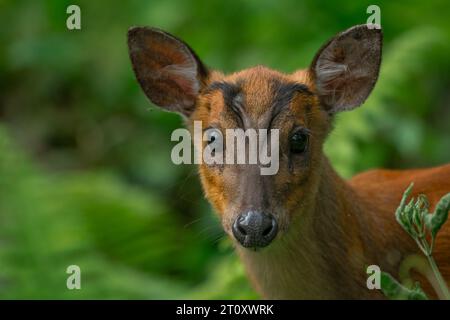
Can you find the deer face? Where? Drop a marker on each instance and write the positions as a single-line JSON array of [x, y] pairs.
[[254, 208]]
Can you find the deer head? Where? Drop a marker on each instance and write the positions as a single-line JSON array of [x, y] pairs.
[[257, 209]]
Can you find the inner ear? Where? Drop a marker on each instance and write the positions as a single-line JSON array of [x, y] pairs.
[[168, 71], [346, 69]]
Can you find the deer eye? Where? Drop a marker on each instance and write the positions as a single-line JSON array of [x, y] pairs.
[[299, 142]]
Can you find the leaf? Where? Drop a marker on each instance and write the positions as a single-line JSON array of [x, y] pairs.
[[436, 220], [416, 216], [400, 213], [394, 290], [416, 293], [405, 197]]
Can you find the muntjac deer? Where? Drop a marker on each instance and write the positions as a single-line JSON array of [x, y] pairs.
[[303, 232]]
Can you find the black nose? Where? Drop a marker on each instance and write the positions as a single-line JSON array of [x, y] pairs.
[[255, 229]]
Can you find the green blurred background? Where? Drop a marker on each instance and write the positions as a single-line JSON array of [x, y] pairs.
[[85, 170]]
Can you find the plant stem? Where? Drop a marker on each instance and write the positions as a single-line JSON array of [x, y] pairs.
[[439, 278]]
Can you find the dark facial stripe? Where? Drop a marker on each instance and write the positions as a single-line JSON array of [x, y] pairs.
[[283, 92], [231, 93], [229, 90]]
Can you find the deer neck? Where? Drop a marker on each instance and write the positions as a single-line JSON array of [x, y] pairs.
[[320, 254]]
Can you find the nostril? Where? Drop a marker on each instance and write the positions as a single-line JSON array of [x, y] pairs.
[[242, 230], [270, 228], [267, 230]]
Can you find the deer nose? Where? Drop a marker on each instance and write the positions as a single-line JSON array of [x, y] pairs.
[[255, 229]]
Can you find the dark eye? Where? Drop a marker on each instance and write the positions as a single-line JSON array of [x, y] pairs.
[[299, 142]]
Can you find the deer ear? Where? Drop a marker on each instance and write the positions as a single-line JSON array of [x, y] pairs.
[[346, 69], [168, 71]]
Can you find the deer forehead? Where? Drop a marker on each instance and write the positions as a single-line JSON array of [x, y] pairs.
[[256, 96]]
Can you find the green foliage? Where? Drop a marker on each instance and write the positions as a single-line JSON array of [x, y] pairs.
[[394, 290], [419, 224], [85, 170], [43, 231], [435, 221]]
